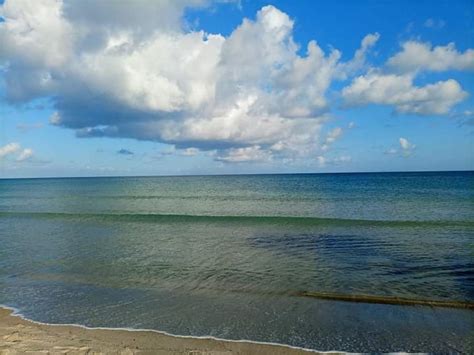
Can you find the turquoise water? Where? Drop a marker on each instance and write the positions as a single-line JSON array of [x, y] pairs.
[[229, 256]]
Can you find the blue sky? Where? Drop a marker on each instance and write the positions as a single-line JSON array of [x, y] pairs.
[[202, 87]]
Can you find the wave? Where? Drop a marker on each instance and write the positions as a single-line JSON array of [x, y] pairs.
[[220, 198], [280, 220], [16, 312]]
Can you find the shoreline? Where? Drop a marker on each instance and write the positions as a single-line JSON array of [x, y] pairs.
[[20, 334]]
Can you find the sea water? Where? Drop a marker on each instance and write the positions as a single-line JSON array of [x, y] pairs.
[[233, 256]]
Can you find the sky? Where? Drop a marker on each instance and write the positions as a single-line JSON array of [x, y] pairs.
[[184, 87]]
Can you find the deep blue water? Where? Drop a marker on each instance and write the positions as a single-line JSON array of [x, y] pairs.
[[229, 256]]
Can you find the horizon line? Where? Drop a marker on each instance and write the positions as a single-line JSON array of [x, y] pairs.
[[237, 174]]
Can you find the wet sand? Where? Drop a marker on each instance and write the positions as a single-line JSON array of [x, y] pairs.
[[20, 336]]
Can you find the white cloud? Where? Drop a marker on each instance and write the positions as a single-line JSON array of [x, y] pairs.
[[22, 154], [406, 146], [422, 56], [392, 151], [8, 149], [138, 15], [404, 143], [35, 33], [55, 119], [394, 83], [25, 154], [323, 161], [331, 137], [190, 152], [131, 69], [247, 154], [360, 55], [399, 91], [342, 159]]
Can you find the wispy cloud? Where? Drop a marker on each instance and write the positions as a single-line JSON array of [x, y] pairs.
[[339, 160], [434, 23], [26, 127]]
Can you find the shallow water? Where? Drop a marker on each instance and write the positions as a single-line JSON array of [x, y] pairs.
[[229, 256]]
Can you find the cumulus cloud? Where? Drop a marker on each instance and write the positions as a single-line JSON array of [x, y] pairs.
[[400, 91], [423, 56], [8, 149], [135, 70], [406, 148], [404, 143], [25, 154], [393, 84], [15, 149], [139, 16], [131, 69]]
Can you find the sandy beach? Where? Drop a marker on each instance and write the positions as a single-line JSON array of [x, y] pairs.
[[19, 336]]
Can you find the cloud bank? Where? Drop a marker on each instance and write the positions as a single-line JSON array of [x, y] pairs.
[[132, 69]]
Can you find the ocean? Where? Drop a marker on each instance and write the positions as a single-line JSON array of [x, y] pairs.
[[236, 256]]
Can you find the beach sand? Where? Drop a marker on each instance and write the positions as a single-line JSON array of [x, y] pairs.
[[20, 336]]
